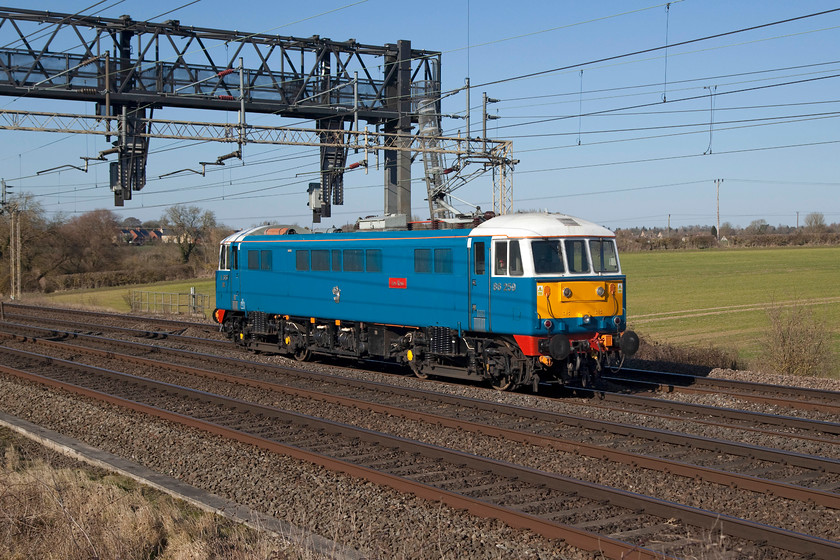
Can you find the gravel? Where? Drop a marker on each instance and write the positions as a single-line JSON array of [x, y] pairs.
[[383, 523]]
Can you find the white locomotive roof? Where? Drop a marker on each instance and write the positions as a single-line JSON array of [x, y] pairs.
[[238, 235], [263, 230], [539, 225]]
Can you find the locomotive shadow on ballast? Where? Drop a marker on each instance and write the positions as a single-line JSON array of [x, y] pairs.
[[518, 300]]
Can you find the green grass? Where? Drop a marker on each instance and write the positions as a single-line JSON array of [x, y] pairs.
[[720, 297], [116, 299]]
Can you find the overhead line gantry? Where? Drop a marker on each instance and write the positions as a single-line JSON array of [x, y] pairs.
[[127, 68]]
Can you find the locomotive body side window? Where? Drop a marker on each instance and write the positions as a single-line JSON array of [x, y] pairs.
[[373, 260], [301, 260], [604, 257], [336, 260], [443, 261], [422, 260], [320, 259], [576, 258], [479, 265], [354, 260], [515, 258], [253, 260], [548, 256], [500, 262], [234, 257], [265, 260]]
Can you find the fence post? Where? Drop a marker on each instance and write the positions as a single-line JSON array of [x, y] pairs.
[[192, 300]]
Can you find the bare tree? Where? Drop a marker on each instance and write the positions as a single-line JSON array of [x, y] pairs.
[[88, 242], [190, 227], [815, 221], [757, 227], [40, 254]]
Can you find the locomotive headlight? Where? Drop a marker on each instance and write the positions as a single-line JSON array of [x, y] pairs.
[[600, 291], [587, 319], [567, 293]]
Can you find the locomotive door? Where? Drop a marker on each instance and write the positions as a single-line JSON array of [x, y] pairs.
[[479, 285], [234, 276]]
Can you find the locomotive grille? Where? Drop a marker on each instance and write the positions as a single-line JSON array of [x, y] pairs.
[[442, 340]]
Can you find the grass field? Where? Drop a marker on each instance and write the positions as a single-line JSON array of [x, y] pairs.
[[117, 299], [720, 298], [700, 298]]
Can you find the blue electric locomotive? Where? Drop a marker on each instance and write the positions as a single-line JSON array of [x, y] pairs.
[[517, 300]]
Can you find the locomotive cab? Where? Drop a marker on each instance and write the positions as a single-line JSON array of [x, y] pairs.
[[556, 284]]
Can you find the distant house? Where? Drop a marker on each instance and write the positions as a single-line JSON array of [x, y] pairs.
[[141, 236]]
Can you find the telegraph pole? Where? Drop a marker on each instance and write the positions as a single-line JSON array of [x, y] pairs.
[[14, 241], [717, 188]]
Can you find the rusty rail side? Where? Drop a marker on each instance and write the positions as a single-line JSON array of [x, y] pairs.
[[755, 484], [755, 532], [575, 537]]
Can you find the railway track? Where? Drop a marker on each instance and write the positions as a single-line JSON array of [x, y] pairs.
[[515, 415], [764, 393], [586, 515], [58, 313], [800, 477], [634, 379], [525, 425]]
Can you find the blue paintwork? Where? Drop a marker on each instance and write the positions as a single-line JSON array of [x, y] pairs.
[[427, 299]]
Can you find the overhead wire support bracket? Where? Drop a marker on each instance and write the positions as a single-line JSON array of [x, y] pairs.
[[219, 161]]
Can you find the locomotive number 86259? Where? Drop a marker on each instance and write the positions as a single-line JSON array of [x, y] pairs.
[[517, 300]]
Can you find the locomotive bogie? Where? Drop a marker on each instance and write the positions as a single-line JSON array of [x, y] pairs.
[[516, 301]]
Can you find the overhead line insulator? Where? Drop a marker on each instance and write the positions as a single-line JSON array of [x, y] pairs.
[[224, 72], [226, 97]]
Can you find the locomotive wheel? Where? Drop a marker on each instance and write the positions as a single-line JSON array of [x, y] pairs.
[[303, 354], [502, 383], [589, 374], [415, 366]]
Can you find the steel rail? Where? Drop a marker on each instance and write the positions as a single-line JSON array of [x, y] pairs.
[[718, 476], [116, 316], [720, 412], [575, 537], [676, 438], [797, 397], [741, 528], [809, 425], [159, 335]]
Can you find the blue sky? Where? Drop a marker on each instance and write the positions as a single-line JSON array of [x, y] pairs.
[[758, 109]]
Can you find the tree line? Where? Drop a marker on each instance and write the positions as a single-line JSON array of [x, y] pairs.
[[758, 233], [87, 251]]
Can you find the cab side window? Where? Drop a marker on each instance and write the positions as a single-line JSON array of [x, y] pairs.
[[508, 258], [223, 258], [500, 262], [515, 257]]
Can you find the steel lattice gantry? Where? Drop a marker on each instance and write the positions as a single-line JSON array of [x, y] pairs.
[[128, 68]]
